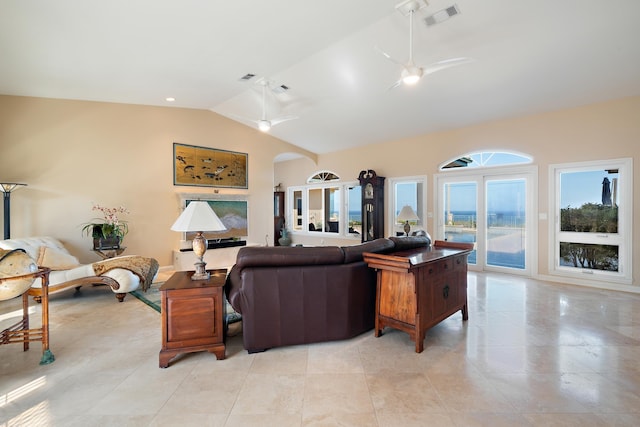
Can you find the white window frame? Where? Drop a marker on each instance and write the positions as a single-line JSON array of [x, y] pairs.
[[623, 239], [422, 207], [343, 228], [480, 176]]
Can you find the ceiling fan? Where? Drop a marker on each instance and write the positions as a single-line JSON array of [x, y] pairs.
[[412, 73], [265, 124]]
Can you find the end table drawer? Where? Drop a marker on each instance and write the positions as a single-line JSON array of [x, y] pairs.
[[193, 318]]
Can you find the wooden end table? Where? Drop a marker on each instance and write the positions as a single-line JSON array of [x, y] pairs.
[[192, 315], [109, 253]]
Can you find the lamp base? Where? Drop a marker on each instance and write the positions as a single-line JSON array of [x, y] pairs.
[[199, 248], [201, 273], [407, 228]]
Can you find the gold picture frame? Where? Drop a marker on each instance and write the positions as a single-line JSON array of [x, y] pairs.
[[209, 167]]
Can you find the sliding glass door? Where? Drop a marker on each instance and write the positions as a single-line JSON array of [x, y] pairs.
[[505, 222], [460, 215], [494, 212]]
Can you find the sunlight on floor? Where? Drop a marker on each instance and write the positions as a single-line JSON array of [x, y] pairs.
[[24, 390]]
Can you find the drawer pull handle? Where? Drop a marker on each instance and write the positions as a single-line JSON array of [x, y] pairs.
[[430, 270], [445, 292]]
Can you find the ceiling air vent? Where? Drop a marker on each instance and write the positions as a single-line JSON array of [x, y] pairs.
[[442, 15], [247, 77], [280, 89]]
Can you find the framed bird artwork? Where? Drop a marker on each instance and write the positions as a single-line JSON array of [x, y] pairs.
[[209, 167]]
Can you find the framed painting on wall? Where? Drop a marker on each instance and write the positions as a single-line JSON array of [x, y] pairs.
[[209, 167], [232, 213]]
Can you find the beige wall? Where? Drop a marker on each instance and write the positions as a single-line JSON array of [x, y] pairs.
[[602, 131], [72, 154]]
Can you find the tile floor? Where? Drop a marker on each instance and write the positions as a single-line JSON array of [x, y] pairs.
[[532, 353]]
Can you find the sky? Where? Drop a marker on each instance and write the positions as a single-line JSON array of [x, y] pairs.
[[578, 188]]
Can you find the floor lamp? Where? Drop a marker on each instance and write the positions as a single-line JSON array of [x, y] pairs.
[[7, 188]]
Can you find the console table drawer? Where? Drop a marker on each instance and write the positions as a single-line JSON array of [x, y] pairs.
[[438, 267]]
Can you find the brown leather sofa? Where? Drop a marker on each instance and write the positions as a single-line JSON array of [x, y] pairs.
[[300, 295]]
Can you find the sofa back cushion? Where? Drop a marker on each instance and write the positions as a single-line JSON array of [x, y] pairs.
[[354, 253], [260, 256]]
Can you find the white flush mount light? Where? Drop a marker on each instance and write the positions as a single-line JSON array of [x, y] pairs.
[[170, 99]]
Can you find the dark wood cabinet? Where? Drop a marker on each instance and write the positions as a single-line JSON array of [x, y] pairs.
[[192, 315], [278, 215], [372, 205], [419, 288]]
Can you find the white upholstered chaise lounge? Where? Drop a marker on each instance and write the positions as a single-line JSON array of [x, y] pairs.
[[122, 274]]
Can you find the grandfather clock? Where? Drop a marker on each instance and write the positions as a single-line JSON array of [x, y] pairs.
[[372, 205]]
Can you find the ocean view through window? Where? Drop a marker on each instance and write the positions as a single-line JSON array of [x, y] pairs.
[[492, 209]]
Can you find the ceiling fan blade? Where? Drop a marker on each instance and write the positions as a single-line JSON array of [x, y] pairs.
[[444, 64], [395, 85], [282, 119], [389, 57]]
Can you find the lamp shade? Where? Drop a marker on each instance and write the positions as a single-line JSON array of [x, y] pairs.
[[407, 214], [198, 216], [8, 187]]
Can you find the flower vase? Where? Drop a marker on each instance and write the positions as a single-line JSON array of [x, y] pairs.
[[100, 243], [285, 240]]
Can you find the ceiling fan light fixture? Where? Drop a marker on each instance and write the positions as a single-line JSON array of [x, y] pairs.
[[411, 75], [264, 125]]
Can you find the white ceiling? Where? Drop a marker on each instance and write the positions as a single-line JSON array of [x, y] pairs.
[[529, 56]]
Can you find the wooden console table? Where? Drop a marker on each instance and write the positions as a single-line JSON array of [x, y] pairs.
[[192, 315], [419, 288]]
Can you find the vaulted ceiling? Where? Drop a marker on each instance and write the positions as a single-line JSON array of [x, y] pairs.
[[528, 57]]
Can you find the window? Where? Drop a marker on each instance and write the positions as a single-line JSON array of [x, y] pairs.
[[486, 159], [592, 212], [407, 191], [324, 209], [325, 206]]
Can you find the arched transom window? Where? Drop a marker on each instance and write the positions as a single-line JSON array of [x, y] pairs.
[[323, 176], [486, 159]]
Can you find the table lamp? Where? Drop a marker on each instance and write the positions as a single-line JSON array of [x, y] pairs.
[[407, 214], [198, 217]]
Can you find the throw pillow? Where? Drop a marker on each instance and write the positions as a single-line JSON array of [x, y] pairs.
[[55, 259]]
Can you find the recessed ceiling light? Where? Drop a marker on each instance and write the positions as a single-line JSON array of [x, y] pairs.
[[169, 99]]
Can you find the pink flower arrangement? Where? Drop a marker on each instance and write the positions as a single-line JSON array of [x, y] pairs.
[[111, 214], [110, 225]]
